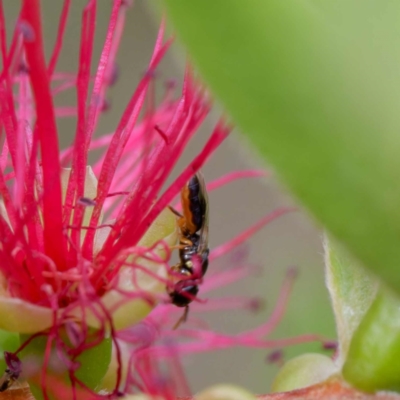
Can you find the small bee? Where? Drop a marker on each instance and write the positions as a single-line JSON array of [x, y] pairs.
[[12, 371], [193, 244]]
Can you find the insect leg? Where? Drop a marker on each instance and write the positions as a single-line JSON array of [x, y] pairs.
[[183, 318]]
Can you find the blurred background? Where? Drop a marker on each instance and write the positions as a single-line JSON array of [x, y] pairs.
[[292, 240]]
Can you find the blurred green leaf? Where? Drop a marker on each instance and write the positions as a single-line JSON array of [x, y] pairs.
[[225, 392], [302, 371], [373, 358], [352, 291], [93, 361], [316, 88]]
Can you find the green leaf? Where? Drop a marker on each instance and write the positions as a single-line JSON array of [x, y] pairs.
[[316, 88], [352, 290], [373, 359]]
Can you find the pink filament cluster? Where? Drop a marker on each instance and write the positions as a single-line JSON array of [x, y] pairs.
[[41, 254]]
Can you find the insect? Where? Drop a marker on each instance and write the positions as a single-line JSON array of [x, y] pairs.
[[12, 371], [193, 244]]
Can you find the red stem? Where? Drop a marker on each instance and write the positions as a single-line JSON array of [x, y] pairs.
[[47, 133]]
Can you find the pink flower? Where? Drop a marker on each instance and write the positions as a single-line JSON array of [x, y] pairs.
[[80, 244]]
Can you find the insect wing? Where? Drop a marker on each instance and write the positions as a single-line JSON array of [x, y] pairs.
[[203, 242]]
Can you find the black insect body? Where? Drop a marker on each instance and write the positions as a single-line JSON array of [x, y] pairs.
[[193, 244]]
